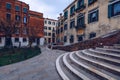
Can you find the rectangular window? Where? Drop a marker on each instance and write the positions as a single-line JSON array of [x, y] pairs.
[[24, 30], [91, 2], [25, 10], [17, 17], [49, 40], [71, 39], [81, 21], [72, 10], [8, 16], [93, 16], [65, 15], [65, 38], [114, 9], [53, 23], [25, 19], [53, 34], [92, 35], [24, 40], [49, 22], [17, 8], [80, 38], [72, 24], [80, 4], [8, 5], [16, 39], [49, 28], [65, 27], [49, 34], [61, 29]]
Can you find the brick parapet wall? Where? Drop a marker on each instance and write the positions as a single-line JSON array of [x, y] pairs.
[[114, 38]]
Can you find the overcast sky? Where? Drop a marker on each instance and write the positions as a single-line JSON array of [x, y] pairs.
[[50, 8]]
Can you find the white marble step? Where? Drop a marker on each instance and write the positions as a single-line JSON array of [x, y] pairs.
[[101, 57], [59, 69], [104, 53], [91, 69], [84, 77], [109, 66]]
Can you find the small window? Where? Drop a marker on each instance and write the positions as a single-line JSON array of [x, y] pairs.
[[53, 34], [93, 16], [17, 18], [49, 34], [16, 39], [65, 38], [72, 24], [49, 28], [71, 39], [65, 27], [92, 35], [17, 8], [72, 10], [45, 22], [80, 38], [53, 23], [8, 6], [49, 40], [49, 22], [25, 19], [91, 2], [65, 14], [24, 40], [81, 21], [8, 16], [25, 10]]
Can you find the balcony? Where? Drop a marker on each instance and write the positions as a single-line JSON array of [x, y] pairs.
[[83, 26], [81, 8]]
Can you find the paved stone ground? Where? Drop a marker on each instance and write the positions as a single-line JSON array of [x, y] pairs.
[[41, 67]]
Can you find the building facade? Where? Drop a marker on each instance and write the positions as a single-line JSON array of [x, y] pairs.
[[87, 19], [15, 19], [50, 30], [60, 30]]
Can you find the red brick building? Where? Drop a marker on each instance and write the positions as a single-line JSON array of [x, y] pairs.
[[17, 16]]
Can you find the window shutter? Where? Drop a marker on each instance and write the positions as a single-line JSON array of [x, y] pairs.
[[97, 12], [109, 11], [82, 2]]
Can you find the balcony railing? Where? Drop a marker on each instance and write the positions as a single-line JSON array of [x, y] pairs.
[[83, 26], [82, 7]]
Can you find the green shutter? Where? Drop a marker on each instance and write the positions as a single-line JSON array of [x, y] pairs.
[[109, 11], [97, 14], [82, 2]]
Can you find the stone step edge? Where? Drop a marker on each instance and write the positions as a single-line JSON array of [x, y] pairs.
[[72, 69], [92, 69], [59, 69]]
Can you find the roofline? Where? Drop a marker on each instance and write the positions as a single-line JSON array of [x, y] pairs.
[[69, 5], [50, 19]]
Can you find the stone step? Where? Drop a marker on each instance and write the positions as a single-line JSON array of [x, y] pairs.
[[116, 44], [103, 58], [92, 69], [63, 71], [102, 53], [109, 67], [110, 50], [72, 69], [59, 69]]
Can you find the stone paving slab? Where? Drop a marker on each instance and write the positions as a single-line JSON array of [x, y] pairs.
[[41, 67]]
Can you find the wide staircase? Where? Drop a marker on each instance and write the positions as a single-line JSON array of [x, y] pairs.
[[90, 64]]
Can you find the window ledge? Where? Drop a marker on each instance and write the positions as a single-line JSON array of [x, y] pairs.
[[93, 22], [116, 16]]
